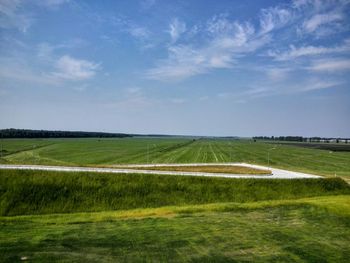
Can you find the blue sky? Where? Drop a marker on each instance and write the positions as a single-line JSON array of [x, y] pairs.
[[178, 67]]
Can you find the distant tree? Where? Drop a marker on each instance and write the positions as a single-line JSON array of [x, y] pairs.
[[21, 133]]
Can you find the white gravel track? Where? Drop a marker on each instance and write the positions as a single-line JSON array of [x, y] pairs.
[[276, 173]]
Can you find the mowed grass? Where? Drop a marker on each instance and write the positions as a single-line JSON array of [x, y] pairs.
[[226, 169], [91, 217], [108, 152], [43, 192], [306, 230]]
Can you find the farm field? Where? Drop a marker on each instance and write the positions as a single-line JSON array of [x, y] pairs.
[[48, 216], [109, 152]]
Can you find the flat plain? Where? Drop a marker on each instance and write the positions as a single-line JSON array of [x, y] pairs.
[[51, 216], [108, 152]]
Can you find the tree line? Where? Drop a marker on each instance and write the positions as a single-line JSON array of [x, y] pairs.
[[301, 139], [26, 133]]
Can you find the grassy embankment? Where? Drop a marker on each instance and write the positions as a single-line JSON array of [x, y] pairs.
[[39, 192], [108, 152], [305, 230]]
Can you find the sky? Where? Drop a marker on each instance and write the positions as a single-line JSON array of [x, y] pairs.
[[186, 67]]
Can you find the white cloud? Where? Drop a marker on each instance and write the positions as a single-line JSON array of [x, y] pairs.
[[75, 69], [319, 20], [176, 29], [272, 18], [224, 42], [303, 51], [227, 41], [333, 65]]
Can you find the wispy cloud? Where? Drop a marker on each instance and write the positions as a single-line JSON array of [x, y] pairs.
[[176, 28], [333, 65], [277, 73], [17, 70], [296, 52], [13, 13], [138, 32], [274, 17], [318, 85], [319, 20], [322, 17], [51, 3], [70, 68], [228, 40], [225, 42], [12, 16]]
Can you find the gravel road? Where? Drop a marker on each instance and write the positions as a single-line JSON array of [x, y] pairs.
[[276, 173]]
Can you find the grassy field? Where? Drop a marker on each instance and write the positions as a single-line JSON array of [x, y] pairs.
[[92, 217], [228, 169], [39, 192], [305, 230], [107, 152]]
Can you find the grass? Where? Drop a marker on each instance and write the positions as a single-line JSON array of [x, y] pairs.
[[107, 152], [90, 217], [44, 192], [305, 230], [228, 169]]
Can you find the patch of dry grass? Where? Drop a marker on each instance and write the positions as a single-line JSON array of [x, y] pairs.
[[227, 169]]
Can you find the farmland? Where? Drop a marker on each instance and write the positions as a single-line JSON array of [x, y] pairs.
[[108, 152], [51, 216]]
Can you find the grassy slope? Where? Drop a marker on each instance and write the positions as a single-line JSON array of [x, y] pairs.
[[37, 192], [306, 230], [122, 151]]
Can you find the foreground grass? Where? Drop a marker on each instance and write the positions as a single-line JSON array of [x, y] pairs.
[[229, 169], [305, 230], [106, 152], [44, 192]]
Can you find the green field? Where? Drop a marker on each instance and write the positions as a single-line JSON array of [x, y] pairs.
[[93, 217], [305, 230], [106, 152]]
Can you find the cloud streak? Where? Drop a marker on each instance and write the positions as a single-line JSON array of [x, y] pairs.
[[304, 51], [333, 65]]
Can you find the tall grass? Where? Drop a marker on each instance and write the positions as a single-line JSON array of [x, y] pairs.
[[42, 192]]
